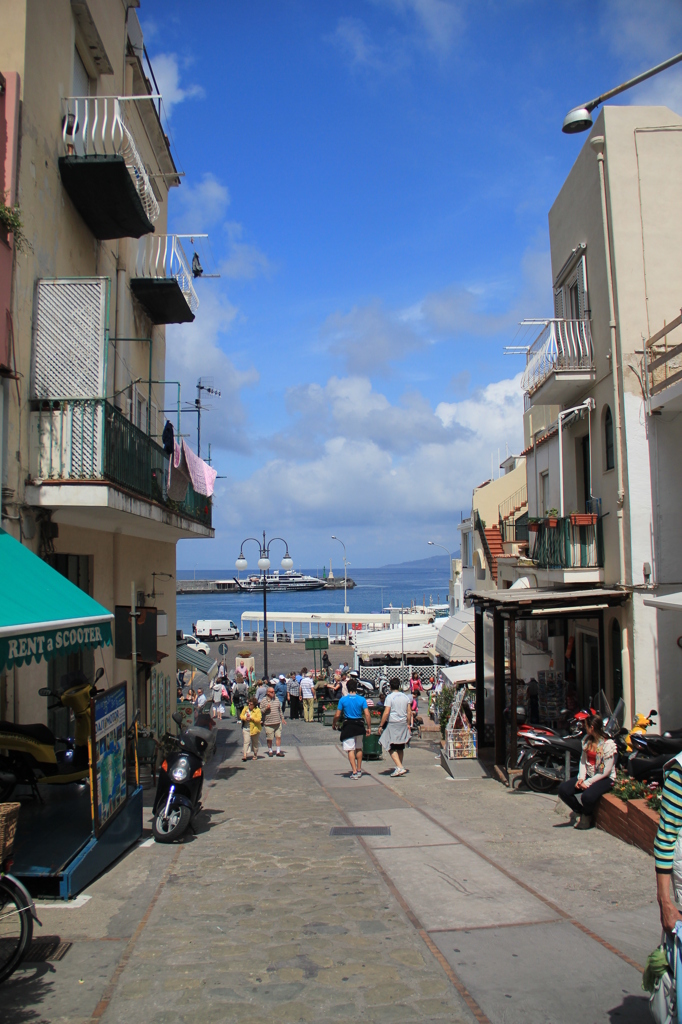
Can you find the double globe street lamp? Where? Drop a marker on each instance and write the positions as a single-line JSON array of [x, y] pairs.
[[264, 565]]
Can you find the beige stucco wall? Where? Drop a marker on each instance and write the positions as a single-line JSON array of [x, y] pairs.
[[487, 499]]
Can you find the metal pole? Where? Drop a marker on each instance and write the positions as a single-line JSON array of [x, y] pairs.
[[265, 625], [512, 671], [133, 628]]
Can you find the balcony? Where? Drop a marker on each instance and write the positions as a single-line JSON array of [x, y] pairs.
[[560, 362], [101, 168], [163, 281], [513, 519], [89, 442], [662, 370], [572, 542]]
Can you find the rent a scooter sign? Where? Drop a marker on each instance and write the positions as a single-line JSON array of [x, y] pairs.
[[109, 754], [51, 643]]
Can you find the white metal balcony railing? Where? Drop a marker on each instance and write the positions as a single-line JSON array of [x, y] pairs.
[[161, 256], [96, 126], [562, 346]]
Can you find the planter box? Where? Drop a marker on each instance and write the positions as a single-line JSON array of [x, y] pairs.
[[551, 522], [633, 822], [583, 519], [533, 527]]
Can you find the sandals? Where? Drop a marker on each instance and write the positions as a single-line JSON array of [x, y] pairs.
[[245, 759]]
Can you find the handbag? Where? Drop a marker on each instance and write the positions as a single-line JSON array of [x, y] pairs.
[[661, 981]]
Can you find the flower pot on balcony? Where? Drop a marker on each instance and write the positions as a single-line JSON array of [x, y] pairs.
[[533, 527], [583, 519], [551, 522]]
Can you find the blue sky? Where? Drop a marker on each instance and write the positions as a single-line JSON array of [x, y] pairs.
[[375, 177]]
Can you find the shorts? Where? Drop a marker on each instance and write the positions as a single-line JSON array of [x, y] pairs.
[[354, 743], [396, 746], [273, 732]]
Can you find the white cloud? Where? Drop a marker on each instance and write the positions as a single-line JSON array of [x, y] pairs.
[[201, 205], [351, 36], [167, 72], [438, 21], [193, 351], [369, 339], [244, 260]]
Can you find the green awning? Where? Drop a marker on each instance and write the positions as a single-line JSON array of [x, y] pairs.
[[42, 614], [195, 659]]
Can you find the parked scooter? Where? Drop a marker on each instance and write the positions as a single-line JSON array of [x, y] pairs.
[[181, 779], [650, 755], [29, 752], [639, 728]]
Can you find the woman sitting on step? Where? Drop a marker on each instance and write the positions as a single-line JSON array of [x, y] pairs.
[[596, 775]]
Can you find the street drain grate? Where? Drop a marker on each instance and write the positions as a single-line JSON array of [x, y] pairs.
[[360, 830], [48, 947]]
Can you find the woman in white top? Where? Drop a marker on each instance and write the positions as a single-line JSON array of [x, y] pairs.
[[596, 775], [396, 721]]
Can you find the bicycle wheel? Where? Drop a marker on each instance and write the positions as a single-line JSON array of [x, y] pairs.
[[16, 926]]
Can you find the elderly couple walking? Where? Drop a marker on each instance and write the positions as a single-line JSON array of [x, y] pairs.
[[256, 716]]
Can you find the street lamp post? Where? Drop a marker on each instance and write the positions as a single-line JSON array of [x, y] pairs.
[[345, 578], [580, 118], [264, 565], [434, 544]]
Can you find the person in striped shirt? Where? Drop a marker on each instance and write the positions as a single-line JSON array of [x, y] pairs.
[[271, 709], [668, 846]]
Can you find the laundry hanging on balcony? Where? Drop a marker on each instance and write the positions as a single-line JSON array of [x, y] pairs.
[[184, 467]]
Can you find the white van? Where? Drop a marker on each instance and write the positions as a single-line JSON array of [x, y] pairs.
[[216, 629]]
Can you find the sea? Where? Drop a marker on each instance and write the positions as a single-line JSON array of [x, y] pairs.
[[375, 590]]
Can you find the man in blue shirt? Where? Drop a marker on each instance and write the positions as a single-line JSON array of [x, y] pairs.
[[281, 691], [356, 723]]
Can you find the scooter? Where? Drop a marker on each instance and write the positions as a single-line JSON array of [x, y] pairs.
[[639, 728], [28, 752], [650, 755], [181, 779]]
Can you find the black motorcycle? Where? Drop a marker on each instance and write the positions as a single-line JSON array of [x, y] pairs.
[[651, 753], [181, 778]]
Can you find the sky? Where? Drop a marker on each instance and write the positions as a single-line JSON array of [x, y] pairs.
[[375, 178]]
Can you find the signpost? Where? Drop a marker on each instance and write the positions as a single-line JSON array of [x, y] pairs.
[[222, 649]]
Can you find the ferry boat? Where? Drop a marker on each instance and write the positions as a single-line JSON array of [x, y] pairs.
[[277, 582]]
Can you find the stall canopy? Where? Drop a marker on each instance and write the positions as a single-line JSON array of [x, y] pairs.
[[195, 659], [456, 640], [665, 602], [415, 640], [42, 614], [465, 673]]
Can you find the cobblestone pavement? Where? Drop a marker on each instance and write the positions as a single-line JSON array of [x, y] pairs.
[[479, 906]]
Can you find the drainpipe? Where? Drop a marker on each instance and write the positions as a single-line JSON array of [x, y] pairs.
[[597, 144], [588, 404]]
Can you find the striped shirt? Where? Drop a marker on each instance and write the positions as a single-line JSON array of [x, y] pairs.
[[307, 688], [671, 820], [272, 711]]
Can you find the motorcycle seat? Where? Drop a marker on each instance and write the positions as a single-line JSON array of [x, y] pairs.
[[39, 733]]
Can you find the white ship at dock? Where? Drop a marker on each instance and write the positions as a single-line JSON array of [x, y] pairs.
[[280, 582]]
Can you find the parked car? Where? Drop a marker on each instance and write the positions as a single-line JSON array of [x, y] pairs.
[[195, 643], [216, 629]]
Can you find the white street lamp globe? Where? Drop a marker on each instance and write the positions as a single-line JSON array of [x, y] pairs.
[[287, 562], [264, 563], [241, 563]]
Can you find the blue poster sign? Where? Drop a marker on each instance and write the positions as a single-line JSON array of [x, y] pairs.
[[109, 755]]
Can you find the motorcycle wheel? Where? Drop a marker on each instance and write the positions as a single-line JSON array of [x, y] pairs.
[[167, 830], [540, 783], [16, 927]]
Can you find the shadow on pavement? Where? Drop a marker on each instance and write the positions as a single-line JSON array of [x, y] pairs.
[[23, 992], [633, 1010]]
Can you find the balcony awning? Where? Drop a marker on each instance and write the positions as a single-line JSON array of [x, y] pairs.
[[456, 637], [195, 659], [665, 602], [42, 614]]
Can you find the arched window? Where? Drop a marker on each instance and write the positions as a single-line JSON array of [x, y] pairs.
[[608, 439]]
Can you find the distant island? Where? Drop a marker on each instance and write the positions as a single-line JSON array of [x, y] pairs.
[[434, 562]]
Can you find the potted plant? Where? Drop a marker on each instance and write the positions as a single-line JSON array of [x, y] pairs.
[[552, 517], [583, 518], [533, 525]]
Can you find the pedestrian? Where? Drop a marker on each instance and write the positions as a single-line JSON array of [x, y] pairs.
[[240, 693], [667, 851], [596, 774], [222, 672], [415, 683], [201, 699], [251, 719], [280, 685], [326, 664], [394, 730], [271, 709], [294, 694], [218, 691], [261, 689], [356, 724], [307, 695]]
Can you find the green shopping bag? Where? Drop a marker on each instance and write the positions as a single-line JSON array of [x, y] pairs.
[[233, 710]]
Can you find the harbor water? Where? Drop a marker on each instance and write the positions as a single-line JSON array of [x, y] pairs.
[[375, 589]]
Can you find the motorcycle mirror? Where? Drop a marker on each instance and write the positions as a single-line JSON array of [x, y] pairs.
[[99, 673], [653, 713], [177, 717], [45, 691]]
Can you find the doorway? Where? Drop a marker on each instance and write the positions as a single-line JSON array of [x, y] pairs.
[[588, 668], [616, 663]]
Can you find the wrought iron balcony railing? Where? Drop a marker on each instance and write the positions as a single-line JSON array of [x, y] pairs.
[[97, 126], [563, 346], [568, 542], [89, 439], [162, 258]]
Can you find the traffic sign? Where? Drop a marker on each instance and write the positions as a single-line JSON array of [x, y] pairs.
[[222, 649]]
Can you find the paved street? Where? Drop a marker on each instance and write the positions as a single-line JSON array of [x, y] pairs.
[[481, 905]]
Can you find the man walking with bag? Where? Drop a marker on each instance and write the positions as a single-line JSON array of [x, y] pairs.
[[356, 724]]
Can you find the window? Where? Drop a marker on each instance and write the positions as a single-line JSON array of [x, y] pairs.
[[574, 301], [570, 296], [609, 459], [465, 550], [544, 492]]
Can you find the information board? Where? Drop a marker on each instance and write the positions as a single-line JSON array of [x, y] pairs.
[[110, 790]]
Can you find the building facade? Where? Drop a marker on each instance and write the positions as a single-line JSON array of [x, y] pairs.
[[84, 299]]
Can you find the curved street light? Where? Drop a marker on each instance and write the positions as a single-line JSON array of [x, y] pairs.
[[264, 564], [580, 118], [345, 577]]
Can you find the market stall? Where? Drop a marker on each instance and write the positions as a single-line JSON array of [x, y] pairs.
[[81, 808]]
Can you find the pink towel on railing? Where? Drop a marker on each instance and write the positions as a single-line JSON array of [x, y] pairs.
[[201, 474], [178, 474]]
